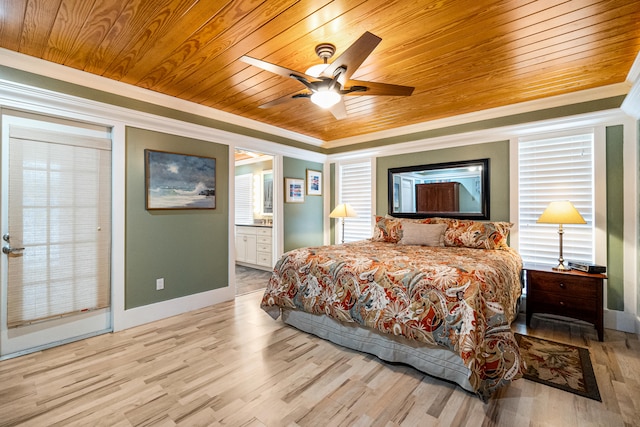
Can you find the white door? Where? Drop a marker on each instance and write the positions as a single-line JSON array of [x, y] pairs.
[[407, 196], [56, 232]]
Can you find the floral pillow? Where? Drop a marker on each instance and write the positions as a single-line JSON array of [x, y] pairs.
[[475, 234], [387, 230], [459, 232]]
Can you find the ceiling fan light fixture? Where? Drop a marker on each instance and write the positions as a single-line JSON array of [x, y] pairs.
[[325, 98], [316, 70]]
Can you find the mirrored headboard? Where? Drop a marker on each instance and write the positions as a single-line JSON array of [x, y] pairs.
[[453, 190]]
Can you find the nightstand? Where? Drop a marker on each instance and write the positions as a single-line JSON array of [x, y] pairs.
[[569, 293]]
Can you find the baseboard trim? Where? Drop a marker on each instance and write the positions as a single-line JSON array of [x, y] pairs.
[[621, 321], [161, 310]]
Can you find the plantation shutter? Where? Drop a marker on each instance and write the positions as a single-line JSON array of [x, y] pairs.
[[243, 199], [355, 189], [552, 169]]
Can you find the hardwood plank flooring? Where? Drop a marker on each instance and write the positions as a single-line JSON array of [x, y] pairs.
[[232, 365]]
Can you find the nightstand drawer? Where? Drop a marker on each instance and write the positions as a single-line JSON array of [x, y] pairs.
[[563, 284], [563, 305]]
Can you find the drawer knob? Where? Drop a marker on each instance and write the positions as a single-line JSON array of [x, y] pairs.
[[562, 303], [562, 285]]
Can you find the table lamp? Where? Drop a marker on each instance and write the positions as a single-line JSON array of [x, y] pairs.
[[343, 210], [561, 212]]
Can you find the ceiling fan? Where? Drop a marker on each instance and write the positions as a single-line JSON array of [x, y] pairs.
[[327, 83]]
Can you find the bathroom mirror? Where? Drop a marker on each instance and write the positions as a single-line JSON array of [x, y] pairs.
[[267, 192], [453, 189]]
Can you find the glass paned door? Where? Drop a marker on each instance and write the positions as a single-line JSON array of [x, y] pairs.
[[56, 236]]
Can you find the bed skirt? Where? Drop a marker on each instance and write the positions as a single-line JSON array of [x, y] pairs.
[[432, 360]]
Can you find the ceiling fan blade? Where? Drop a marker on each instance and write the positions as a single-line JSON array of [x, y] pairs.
[[339, 110], [276, 69], [354, 87], [285, 99], [353, 57]]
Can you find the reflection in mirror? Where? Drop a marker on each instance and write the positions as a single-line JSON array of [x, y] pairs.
[[267, 192], [455, 189]]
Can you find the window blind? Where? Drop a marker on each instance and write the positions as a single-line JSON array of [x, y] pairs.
[[550, 169], [244, 199], [355, 189], [60, 212]]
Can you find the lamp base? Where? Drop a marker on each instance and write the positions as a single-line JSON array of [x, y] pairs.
[[561, 267]]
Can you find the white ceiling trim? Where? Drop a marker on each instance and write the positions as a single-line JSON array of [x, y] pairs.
[[28, 98], [631, 104], [523, 107], [38, 66], [599, 118]]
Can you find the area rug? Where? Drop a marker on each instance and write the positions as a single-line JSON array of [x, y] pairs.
[[559, 365]]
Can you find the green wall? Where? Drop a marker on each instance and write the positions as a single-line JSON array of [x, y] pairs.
[[496, 152], [303, 222], [615, 218], [188, 248]]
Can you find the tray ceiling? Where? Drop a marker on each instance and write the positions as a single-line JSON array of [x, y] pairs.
[[461, 56]]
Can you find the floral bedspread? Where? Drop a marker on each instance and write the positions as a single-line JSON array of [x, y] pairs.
[[459, 298]]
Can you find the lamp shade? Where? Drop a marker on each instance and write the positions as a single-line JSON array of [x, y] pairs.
[[343, 210], [325, 98], [561, 212]]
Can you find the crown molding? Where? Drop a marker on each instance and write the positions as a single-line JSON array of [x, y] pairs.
[[493, 113], [66, 74], [504, 133], [23, 97], [631, 104]]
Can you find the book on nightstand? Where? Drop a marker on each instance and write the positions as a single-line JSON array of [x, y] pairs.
[[587, 267]]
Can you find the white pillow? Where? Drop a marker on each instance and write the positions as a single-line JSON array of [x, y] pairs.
[[422, 234]]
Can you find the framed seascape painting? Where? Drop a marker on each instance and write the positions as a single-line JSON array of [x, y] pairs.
[[179, 181], [293, 190], [314, 183]]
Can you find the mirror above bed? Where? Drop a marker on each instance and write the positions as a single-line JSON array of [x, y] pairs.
[[451, 190]]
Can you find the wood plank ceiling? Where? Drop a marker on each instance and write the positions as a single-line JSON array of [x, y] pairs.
[[461, 56]]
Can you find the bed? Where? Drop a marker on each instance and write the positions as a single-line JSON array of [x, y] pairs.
[[438, 294]]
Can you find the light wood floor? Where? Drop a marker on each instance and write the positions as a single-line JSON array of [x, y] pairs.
[[232, 365]]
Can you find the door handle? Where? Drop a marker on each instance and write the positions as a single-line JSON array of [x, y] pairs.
[[9, 250]]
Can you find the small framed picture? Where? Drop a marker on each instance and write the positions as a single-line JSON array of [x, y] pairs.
[[314, 183], [293, 190]]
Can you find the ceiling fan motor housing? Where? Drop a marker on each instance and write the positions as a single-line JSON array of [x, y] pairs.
[[325, 51]]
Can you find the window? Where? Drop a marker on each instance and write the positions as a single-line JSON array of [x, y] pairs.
[[244, 199], [556, 167], [354, 188]]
